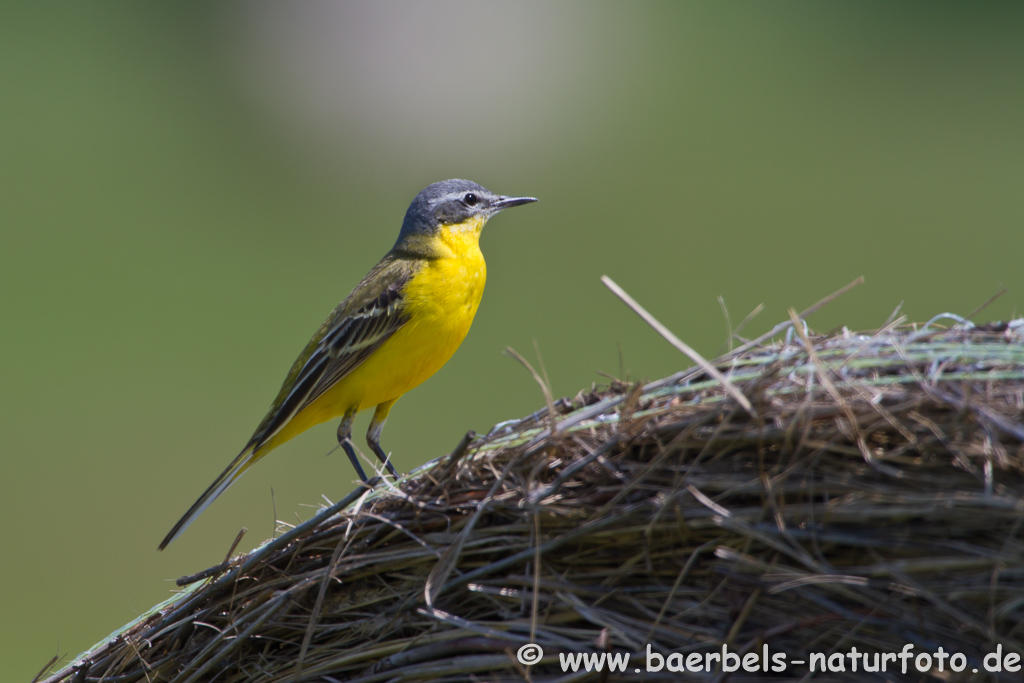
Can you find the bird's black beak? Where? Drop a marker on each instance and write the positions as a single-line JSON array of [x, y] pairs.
[[507, 202]]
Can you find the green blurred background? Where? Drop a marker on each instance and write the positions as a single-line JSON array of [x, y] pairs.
[[186, 191]]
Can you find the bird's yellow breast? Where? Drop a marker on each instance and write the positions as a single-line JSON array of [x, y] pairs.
[[440, 301]]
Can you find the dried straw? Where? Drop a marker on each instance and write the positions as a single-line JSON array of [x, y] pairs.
[[871, 497]]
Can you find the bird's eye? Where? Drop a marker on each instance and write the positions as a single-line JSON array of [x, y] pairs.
[[470, 199]]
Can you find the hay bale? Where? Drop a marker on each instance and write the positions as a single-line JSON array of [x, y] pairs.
[[871, 498]]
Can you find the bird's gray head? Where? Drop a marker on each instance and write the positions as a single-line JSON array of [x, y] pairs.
[[451, 202]]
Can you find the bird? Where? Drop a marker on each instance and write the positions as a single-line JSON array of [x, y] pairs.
[[399, 325]]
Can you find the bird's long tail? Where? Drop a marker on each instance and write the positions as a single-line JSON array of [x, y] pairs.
[[236, 469]]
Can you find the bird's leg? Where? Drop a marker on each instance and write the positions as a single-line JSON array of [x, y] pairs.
[[345, 440], [380, 416]]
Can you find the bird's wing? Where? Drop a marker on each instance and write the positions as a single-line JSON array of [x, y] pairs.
[[354, 330]]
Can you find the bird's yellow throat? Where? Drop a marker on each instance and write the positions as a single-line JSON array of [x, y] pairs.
[[456, 241], [446, 292]]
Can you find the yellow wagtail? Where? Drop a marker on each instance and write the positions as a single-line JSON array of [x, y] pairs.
[[396, 329]]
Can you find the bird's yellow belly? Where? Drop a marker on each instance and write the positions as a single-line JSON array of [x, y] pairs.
[[440, 302]]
